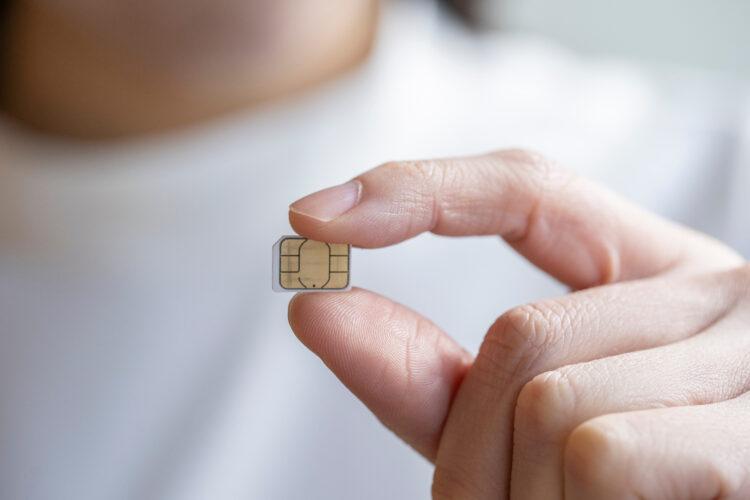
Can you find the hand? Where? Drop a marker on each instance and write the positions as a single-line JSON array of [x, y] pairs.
[[634, 387]]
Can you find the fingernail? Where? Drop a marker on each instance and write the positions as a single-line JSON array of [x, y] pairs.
[[329, 203]]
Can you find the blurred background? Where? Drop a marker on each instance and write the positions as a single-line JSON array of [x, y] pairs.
[[710, 35]]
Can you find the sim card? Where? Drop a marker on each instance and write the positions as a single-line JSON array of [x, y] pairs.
[[302, 264]]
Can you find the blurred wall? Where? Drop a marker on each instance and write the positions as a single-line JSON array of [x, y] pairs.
[[712, 34]]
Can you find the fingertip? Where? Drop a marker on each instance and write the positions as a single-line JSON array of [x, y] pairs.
[[302, 309], [316, 229], [310, 216], [327, 204], [303, 224], [290, 310], [307, 311]]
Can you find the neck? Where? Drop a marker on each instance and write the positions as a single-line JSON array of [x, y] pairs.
[[99, 78]]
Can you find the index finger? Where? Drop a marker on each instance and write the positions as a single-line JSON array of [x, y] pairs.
[[573, 229]]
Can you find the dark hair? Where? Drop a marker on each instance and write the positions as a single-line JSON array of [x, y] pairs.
[[4, 21], [465, 9]]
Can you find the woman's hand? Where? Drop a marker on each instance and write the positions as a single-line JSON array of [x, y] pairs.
[[635, 386]]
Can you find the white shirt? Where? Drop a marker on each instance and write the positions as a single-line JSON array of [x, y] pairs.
[[142, 351]]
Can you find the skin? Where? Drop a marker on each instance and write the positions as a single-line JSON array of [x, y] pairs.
[[113, 68], [633, 386]]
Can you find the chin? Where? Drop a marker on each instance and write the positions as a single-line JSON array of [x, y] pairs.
[[101, 69]]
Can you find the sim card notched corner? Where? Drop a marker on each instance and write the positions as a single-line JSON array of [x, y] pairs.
[[304, 265]]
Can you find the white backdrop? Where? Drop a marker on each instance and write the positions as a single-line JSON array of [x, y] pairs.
[[710, 34]]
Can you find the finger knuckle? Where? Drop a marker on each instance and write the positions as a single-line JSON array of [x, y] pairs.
[[538, 170], [421, 183], [597, 454], [541, 180], [545, 406], [424, 172], [516, 343], [525, 159]]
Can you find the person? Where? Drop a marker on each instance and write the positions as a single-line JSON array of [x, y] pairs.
[[145, 356]]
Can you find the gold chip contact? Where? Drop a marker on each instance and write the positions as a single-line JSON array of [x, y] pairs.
[[302, 264]]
